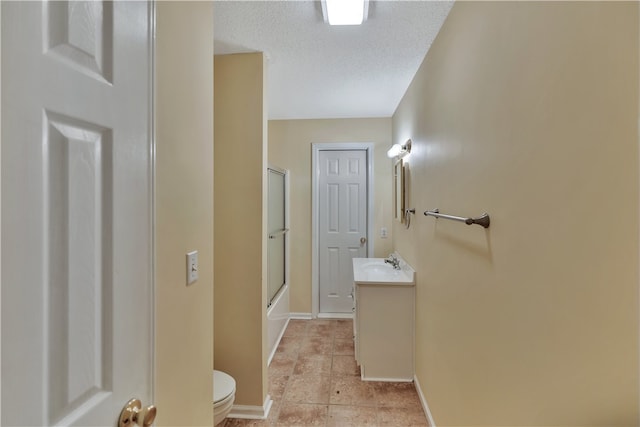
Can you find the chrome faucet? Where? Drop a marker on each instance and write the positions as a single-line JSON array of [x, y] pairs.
[[394, 261]]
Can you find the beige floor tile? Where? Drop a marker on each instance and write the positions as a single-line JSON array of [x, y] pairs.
[[277, 385], [352, 416], [296, 328], [283, 363], [344, 365], [317, 364], [344, 328], [308, 389], [302, 414], [316, 345], [396, 395], [350, 390], [344, 346], [326, 322], [321, 328], [402, 417], [314, 381], [289, 344], [241, 422], [272, 418]]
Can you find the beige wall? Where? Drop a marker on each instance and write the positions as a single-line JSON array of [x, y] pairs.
[[290, 148], [184, 213], [240, 215], [528, 111]]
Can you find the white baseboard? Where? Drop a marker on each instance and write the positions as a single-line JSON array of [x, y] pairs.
[[303, 316], [335, 315], [423, 401], [252, 412], [392, 380], [309, 316]]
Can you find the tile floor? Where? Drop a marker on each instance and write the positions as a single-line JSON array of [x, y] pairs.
[[314, 381]]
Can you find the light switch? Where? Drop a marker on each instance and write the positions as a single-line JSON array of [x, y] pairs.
[[383, 232], [192, 267]]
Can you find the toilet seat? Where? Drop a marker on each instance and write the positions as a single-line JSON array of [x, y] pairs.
[[224, 386], [224, 393]]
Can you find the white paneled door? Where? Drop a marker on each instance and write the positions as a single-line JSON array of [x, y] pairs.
[[342, 224], [77, 211]]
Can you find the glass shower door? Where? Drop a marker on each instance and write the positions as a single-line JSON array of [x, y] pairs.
[[277, 233]]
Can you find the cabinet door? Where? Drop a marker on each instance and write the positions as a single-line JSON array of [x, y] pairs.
[[385, 317]]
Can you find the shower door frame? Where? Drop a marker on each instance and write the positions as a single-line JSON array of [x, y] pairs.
[[285, 173]]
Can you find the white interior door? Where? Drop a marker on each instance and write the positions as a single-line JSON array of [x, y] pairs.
[[342, 221], [76, 211]]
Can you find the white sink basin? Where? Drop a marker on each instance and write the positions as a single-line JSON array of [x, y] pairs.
[[376, 271]]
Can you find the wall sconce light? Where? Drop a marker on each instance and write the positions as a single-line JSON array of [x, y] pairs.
[[398, 150], [345, 12]]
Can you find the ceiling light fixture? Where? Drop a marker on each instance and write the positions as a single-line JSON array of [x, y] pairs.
[[345, 12], [398, 150]]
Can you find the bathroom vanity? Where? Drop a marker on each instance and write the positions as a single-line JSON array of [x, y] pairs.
[[384, 321]]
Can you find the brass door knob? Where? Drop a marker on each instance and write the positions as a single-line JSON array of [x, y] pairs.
[[133, 414]]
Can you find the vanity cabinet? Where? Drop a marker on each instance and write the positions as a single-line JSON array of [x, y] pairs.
[[384, 330]]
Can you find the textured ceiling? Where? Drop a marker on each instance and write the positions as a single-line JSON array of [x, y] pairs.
[[319, 71]]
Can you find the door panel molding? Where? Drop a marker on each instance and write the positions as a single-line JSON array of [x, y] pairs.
[[368, 147], [80, 214]]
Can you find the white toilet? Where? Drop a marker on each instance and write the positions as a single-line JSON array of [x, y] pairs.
[[224, 392]]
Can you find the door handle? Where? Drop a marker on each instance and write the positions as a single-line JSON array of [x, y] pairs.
[[363, 240], [133, 414]]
